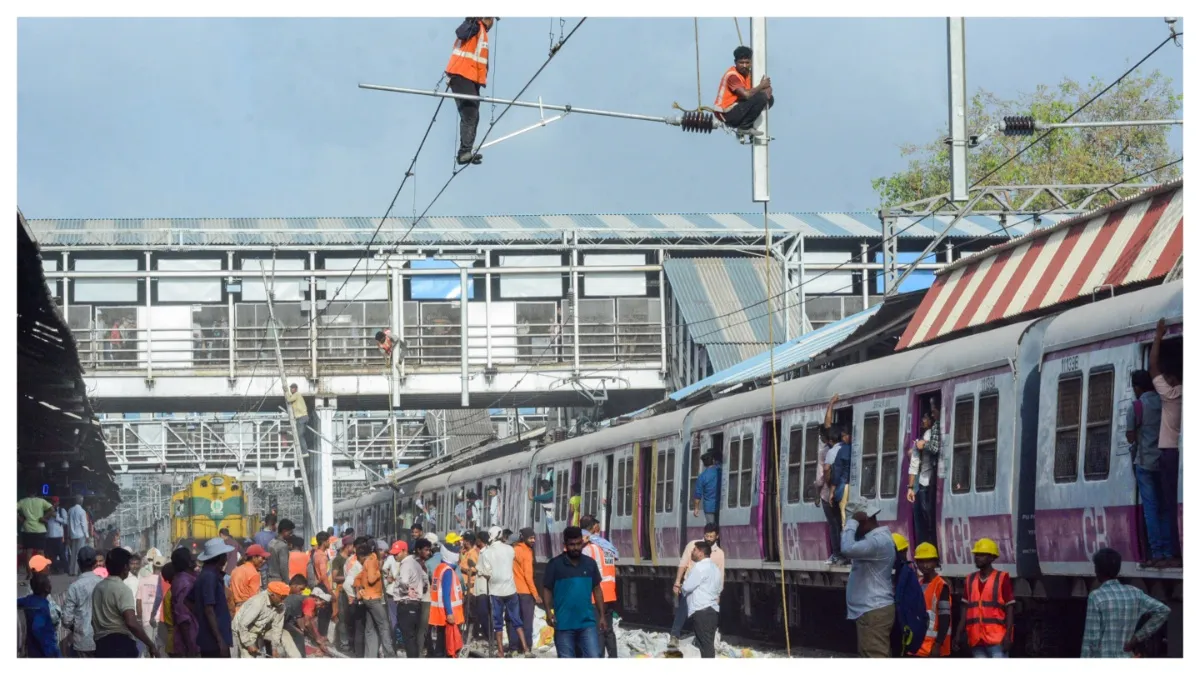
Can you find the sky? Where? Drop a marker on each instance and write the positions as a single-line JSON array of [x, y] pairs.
[[143, 118]]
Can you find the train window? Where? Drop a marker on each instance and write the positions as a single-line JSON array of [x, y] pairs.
[[747, 472], [591, 489], [795, 463], [813, 460], [964, 418], [1066, 430], [735, 459], [1099, 424], [986, 443], [889, 465], [664, 484], [868, 487], [562, 495]]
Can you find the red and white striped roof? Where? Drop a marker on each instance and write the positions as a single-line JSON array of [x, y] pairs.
[[1127, 242]]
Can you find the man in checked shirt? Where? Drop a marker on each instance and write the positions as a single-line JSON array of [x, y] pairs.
[[1113, 612]]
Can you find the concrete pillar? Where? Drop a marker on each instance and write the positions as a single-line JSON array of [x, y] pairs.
[[323, 481]]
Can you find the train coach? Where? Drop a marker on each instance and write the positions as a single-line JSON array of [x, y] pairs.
[[1033, 456]]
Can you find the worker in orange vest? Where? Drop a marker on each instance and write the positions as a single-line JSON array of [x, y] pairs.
[[987, 617], [738, 104], [467, 71], [445, 599], [937, 602], [604, 553]]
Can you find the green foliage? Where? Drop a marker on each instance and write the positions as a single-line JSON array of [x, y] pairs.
[[1066, 156]]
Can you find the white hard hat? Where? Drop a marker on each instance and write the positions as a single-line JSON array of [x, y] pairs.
[[433, 538]]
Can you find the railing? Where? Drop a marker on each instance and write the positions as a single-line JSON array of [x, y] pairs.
[[352, 348]]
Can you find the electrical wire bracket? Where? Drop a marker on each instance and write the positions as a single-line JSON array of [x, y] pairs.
[[543, 122], [696, 121]]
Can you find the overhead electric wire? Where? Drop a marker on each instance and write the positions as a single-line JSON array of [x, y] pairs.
[[932, 211]]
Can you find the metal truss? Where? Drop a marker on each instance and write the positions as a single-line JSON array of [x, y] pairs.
[[1007, 202], [217, 443]]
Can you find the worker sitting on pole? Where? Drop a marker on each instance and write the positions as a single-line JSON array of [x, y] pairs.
[[738, 104], [467, 71], [387, 344]]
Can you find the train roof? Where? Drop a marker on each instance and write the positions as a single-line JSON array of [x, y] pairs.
[[373, 497], [615, 437], [1129, 312], [908, 368]]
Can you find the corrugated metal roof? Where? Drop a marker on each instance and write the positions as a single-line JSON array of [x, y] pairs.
[[467, 428], [1128, 242], [787, 356], [483, 229], [724, 355]]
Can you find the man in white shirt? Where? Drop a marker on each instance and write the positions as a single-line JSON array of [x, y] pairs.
[[496, 566], [923, 458], [702, 589], [77, 532], [55, 545], [686, 563]]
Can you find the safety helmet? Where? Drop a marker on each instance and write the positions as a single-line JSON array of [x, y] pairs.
[[900, 540], [926, 551], [986, 546]]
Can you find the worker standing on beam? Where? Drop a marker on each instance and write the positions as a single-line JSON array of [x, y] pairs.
[[467, 71], [738, 104]]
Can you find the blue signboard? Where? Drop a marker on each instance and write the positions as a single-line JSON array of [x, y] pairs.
[[439, 287]]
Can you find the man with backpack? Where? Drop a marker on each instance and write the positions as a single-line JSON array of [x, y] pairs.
[[912, 619], [1142, 421]]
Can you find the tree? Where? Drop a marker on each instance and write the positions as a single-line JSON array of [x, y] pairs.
[[1067, 156]]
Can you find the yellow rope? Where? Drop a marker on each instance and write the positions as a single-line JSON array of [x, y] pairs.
[[775, 431]]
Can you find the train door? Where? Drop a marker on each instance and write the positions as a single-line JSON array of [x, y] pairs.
[[927, 505], [768, 516], [644, 509], [576, 493]]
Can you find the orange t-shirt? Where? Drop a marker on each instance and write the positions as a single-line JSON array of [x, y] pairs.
[[297, 564], [244, 583]]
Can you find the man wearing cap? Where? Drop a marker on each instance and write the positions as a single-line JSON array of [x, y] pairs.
[[391, 583], [215, 636], [246, 580], [937, 603], [77, 610], [869, 600], [986, 625], [147, 589], [369, 585], [32, 513], [260, 620], [446, 597]]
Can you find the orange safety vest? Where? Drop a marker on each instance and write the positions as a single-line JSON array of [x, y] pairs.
[[932, 592], [608, 572], [726, 99], [388, 342], [470, 59], [985, 613], [437, 604]]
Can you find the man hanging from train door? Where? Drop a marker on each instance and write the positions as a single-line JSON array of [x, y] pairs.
[[467, 70], [922, 478], [738, 104]]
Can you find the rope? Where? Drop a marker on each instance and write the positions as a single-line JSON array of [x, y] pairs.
[[738, 26], [775, 430], [696, 34], [493, 52]]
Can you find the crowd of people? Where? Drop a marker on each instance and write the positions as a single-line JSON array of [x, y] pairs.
[[350, 596]]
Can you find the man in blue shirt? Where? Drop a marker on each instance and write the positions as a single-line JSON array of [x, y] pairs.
[[708, 489], [208, 597], [870, 600], [574, 601]]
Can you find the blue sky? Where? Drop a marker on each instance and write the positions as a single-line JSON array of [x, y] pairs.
[[122, 118]]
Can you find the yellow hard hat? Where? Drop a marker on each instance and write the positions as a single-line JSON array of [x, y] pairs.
[[313, 542], [453, 538], [926, 551], [986, 546], [900, 540]]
